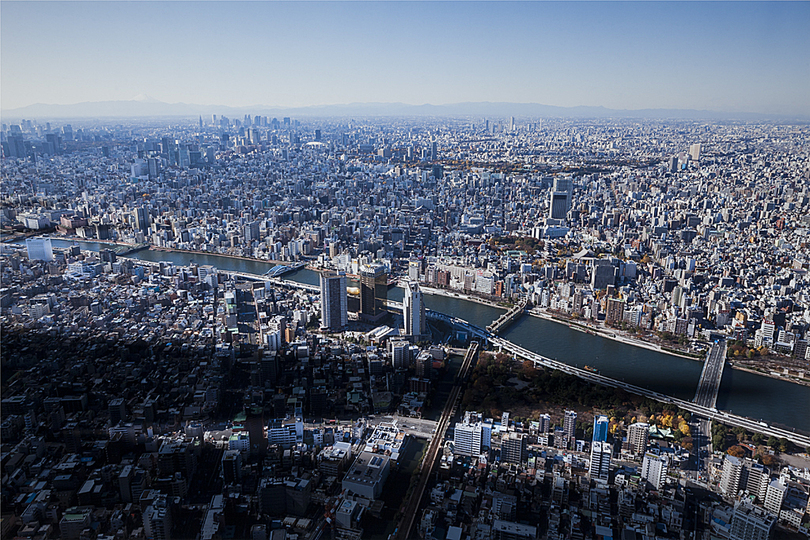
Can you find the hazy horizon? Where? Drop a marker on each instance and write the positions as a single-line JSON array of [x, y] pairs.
[[746, 57]]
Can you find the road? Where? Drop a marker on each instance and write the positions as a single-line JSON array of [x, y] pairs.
[[415, 427], [701, 449], [709, 384]]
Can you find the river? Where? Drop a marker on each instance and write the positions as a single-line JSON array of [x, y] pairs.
[[747, 394]]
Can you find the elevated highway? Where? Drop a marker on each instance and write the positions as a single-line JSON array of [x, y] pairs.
[[695, 408]]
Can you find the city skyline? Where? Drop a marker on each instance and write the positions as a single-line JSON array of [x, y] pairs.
[[738, 57]]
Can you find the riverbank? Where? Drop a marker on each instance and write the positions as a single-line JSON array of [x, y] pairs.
[[19, 240], [616, 335], [238, 257], [608, 334], [771, 374], [461, 296], [70, 238]]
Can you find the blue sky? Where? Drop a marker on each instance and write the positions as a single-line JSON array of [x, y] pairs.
[[725, 56]]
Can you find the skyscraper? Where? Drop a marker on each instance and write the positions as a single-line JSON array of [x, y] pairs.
[[750, 522], [413, 310], [562, 193], [694, 152], [637, 436], [141, 218], [513, 448], [373, 291], [39, 249], [654, 469], [600, 460], [570, 426], [157, 519], [334, 302], [600, 428]]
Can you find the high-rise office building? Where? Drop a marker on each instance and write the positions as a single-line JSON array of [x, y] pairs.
[[251, 231], [231, 466], [373, 292], [513, 448], [414, 310], [472, 435], [749, 522], [334, 302], [562, 193], [775, 495], [654, 469], [601, 425], [570, 426], [141, 218], [600, 460], [157, 519], [467, 439], [15, 146], [673, 164], [731, 475], [637, 436], [39, 249], [694, 152], [544, 423], [118, 410]]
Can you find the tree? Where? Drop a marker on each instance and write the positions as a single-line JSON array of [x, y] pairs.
[[757, 438], [736, 451], [773, 441], [768, 460], [529, 371]]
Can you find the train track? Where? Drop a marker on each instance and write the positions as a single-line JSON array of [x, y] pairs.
[[411, 509]]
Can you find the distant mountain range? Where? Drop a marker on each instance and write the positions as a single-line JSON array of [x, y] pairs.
[[144, 106]]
